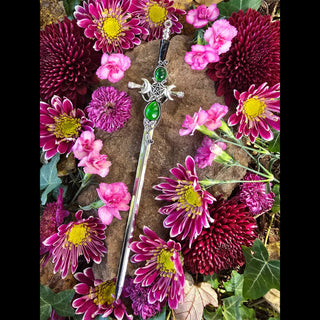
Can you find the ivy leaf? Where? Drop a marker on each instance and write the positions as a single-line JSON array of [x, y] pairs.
[[230, 309], [45, 302], [235, 283], [196, 297], [260, 275], [226, 8], [48, 177], [69, 6], [161, 315], [213, 280], [274, 144]]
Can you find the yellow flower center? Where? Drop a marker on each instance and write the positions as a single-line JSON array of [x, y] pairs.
[[165, 264], [253, 107], [103, 293], [157, 14], [112, 28], [78, 234], [66, 126]]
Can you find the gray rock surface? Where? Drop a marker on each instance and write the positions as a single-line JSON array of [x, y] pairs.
[[123, 146]]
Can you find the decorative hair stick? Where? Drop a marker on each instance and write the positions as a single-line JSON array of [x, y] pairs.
[[155, 95]]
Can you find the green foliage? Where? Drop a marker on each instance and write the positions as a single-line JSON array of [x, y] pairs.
[[226, 8], [60, 302], [260, 275], [161, 315], [69, 6], [48, 177], [276, 203], [213, 280], [274, 144]]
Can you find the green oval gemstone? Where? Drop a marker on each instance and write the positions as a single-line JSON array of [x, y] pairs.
[[152, 111], [160, 74]]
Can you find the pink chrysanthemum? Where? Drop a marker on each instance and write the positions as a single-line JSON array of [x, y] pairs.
[[219, 247], [139, 297], [253, 58], [80, 237], [109, 108], [256, 112], [188, 213], [67, 62], [152, 15], [51, 219], [110, 22], [97, 297], [60, 126], [254, 195], [163, 270]]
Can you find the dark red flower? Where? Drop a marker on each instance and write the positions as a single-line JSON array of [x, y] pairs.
[[67, 62], [219, 246], [253, 58]]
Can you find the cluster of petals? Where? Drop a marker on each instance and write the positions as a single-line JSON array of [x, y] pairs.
[[81, 237], [208, 151], [257, 112], [87, 150], [113, 66], [200, 16], [210, 118], [115, 197], [163, 271], [96, 297], [110, 23], [60, 126], [188, 213], [219, 37]]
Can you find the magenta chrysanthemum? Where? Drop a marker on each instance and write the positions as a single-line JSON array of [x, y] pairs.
[[60, 126], [219, 247], [163, 270], [109, 108], [152, 15], [97, 297], [110, 22], [256, 112], [253, 58], [139, 297], [188, 213], [80, 237], [67, 62], [254, 194], [51, 219]]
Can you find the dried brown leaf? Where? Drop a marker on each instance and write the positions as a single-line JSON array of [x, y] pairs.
[[183, 4], [196, 297], [207, 2]]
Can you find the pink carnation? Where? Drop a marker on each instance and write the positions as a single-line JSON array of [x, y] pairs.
[[192, 123], [116, 197], [208, 151], [215, 113], [113, 66], [200, 16], [220, 35], [85, 144], [95, 163], [199, 56]]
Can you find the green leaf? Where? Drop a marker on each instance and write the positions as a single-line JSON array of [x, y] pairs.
[[276, 202], [226, 8], [235, 283], [45, 302], [62, 303], [69, 6], [247, 313], [231, 309], [260, 275], [160, 316], [48, 177], [213, 280], [213, 315], [274, 144]]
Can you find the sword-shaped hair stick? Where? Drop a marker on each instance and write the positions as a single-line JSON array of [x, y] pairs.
[[155, 95]]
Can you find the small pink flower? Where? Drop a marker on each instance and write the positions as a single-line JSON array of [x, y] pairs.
[[220, 35], [215, 113], [113, 66], [208, 151], [95, 163], [200, 16], [116, 197], [85, 144], [192, 123], [199, 56]]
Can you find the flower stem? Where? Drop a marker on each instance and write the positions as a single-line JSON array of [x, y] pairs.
[[267, 235], [85, 181], [211, 182]]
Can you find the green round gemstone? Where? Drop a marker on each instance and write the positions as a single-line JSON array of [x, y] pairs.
[[160, 74], [152, 111]]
